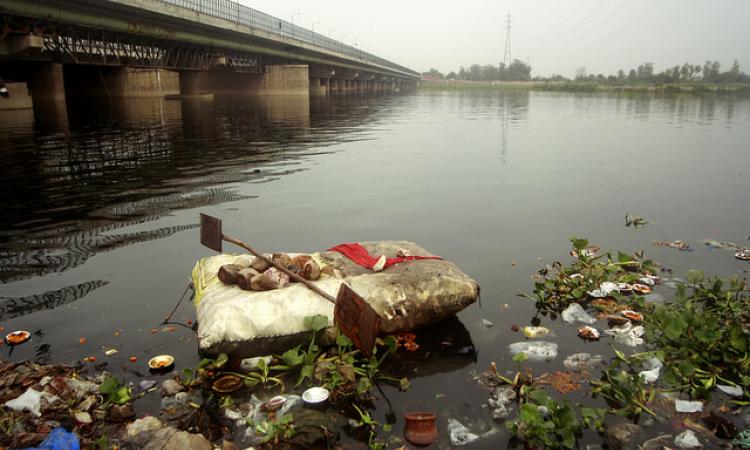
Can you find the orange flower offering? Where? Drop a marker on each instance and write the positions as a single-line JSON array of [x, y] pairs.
[[588, 333], [17, 337], [407, 341], [632, 315]]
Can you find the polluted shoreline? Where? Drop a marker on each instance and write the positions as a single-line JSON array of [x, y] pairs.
[[677, 376]]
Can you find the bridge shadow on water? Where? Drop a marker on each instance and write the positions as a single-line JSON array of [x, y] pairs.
[[81, 178]]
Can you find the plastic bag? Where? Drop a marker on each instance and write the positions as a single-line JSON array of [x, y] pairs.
[[59, 439]]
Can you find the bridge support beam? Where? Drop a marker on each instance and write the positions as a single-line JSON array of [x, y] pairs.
[[120, 82], [277, 80]]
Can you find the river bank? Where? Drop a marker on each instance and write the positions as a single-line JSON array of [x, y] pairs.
[[587, 86]]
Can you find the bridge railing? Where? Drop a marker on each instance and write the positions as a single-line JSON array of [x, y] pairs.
[[249, 17]]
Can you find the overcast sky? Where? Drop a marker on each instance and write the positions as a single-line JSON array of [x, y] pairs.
[[554, 36]]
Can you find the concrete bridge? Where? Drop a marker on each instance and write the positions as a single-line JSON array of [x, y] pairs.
[[141, 48]]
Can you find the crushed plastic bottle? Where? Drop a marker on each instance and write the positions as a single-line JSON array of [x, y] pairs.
[[575, 313], [535, 350], [459, 434]]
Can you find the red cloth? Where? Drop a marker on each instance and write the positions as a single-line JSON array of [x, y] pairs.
[[359, 255]]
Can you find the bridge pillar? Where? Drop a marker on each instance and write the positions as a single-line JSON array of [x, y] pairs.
[[189, 83], [318, 86], [47, 82], [289, 79]]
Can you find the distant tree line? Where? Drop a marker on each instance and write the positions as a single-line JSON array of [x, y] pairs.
[[709, 72], [516, 71]]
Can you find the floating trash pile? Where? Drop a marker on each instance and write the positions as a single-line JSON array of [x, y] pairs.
[[681, 363]]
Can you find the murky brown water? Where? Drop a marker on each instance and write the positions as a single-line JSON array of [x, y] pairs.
[[100, 205]]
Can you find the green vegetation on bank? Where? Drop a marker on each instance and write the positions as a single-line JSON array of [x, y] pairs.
[[706, 79]]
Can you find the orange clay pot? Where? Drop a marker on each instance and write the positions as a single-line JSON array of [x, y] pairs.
[[420, 428]]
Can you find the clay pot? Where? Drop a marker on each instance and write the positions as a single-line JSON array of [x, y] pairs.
[[420, 428]]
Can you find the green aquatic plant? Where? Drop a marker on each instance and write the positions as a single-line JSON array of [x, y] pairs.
[[115, 391], [624, 389], [542, 422], [556, 286], [703, 337], [274, 430]]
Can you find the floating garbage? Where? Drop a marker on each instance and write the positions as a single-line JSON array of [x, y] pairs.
[[625, 288], [652, 369], [688, 406], [743, 255], [459, 434], [161, 363], [315, 396], [583, 361], [536, 350], [677, 245], [710, 243], [605, 289], [31, 401], [249, 364], [273, 404], [613, 320], [17, 337], [687, 439], [589, 333], [82, 417], [535, 332], [575, 313], [59, 439], [501, 402], [227, 383], [487, 323], [420, 428], [642, 289], [632, 315], [627, 334], [635, 220], [732, 391], [147, 384]]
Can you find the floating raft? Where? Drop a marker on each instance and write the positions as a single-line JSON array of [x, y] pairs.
[[406, 296]]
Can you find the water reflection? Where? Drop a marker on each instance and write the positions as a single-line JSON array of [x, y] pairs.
[[11, 307], [444, 347], [110, 165]]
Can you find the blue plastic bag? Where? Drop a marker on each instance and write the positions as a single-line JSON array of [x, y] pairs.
[[59, 439]]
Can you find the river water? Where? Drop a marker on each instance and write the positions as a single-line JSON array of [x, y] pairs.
[[100, 206]]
